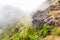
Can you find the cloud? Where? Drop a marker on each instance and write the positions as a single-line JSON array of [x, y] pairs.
[[25, 5], [10, 15]]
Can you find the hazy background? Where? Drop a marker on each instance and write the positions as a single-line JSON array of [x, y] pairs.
[[25, 5], [13, 10]]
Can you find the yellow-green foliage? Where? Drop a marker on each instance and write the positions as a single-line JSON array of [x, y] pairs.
[[26, 32], [56, 31]]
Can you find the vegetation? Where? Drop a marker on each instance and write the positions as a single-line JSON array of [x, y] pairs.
[[26, 32], [56, 31]]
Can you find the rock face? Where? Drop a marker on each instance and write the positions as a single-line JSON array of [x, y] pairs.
[[39, 18], [50, 16], [56, 14]]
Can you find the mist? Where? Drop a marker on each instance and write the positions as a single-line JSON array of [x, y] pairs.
[[9, 16], [11, 11]]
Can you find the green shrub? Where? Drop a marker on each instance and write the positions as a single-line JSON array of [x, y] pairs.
[[56, 31], [45, 30], [27, 32]]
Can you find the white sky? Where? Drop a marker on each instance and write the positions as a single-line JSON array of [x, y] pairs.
[[25, 5]]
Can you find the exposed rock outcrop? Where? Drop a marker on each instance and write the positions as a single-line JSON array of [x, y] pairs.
[[50, 16]]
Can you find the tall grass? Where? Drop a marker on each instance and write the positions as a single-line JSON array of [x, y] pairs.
[[26, 32]]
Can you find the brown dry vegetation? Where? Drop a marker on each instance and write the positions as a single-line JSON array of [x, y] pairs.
[[55, 13]]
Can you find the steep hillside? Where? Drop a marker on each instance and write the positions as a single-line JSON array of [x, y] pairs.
[[54, 11], [50, 16], [45, 26]]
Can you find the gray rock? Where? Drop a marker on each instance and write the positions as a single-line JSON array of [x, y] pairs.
[[40, 18]]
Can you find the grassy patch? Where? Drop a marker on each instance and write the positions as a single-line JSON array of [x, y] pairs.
[[27, 32]]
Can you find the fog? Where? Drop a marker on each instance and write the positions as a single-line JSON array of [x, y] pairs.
[[9, 16], [25, 5], [11, 11]]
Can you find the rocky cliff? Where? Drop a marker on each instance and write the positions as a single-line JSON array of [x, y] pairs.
[[50, 16]]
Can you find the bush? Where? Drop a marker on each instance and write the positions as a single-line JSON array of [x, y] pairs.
[[27, 32], [56, 31], [45, 30]]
